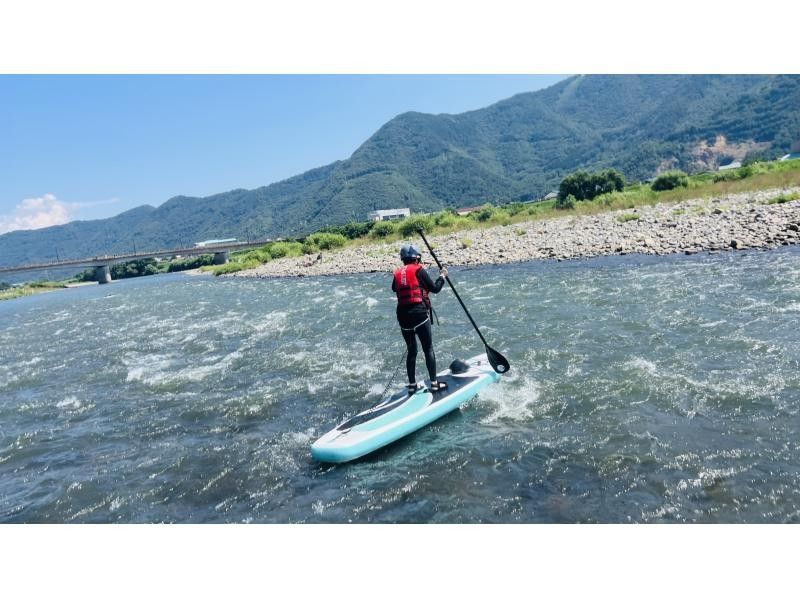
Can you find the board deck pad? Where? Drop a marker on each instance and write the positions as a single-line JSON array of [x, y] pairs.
[[401, 397], [401, 414]]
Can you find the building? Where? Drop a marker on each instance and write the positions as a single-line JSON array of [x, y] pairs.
[[397, 214], [734, 164]]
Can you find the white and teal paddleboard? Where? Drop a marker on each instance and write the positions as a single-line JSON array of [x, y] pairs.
[[401, 414]]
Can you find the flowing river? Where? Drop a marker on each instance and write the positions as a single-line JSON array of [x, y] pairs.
[[642, 390]]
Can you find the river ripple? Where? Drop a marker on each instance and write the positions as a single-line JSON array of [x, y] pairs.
[[642, 390]]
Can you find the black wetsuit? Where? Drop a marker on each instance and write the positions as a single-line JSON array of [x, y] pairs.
[[415, 320]]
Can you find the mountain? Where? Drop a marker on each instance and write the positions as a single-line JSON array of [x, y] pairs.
[[516, 149]]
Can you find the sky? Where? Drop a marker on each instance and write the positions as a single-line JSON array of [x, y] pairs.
[[82, 147]]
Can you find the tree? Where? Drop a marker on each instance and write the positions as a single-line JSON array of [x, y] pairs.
[[670, 180], [567, 203], [584, 185]]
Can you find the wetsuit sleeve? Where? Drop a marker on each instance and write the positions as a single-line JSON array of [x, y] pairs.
[[394, 289], [426, 281]]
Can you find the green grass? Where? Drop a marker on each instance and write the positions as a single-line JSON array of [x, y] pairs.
[[31, 288], [784, 198], [627, 217]]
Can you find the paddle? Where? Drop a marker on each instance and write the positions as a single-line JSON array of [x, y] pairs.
[[496, 360]]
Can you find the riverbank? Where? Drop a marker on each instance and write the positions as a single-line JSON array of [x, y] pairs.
[[37, 288], [732, 222]]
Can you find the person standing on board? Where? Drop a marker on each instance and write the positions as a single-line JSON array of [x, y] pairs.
[[413, 284]]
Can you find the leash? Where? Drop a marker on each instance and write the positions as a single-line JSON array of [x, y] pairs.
[[391, 381]]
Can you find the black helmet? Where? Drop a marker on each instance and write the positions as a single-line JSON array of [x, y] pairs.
[[409, 253]]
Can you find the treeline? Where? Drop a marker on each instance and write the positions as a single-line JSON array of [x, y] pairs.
[[609, 183], [149, 266]]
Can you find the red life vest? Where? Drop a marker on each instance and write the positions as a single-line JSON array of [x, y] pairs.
[[407, 287]]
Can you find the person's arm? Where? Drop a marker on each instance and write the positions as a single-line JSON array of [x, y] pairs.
[[431, 285]]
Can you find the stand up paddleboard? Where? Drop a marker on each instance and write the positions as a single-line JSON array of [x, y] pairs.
[[401, 414]]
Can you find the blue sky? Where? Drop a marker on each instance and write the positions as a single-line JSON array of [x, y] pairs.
[[92, 146]]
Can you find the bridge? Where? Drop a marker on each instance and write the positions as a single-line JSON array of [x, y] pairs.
[[102, 263]]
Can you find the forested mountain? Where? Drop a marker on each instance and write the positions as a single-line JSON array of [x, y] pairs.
[[516, 149]]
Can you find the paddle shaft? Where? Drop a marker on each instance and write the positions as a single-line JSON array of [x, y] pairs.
[[455, 292]]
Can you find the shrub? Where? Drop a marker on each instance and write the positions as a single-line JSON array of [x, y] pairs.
[[484, 214], [281, 249], [670, 180], [326, 240], [500, 217], [232, 267], [351, 230], [565, 203], [627, 217], [784, 198], [382, 229], [445, 219], [514, 208], [410, 226], [735, 174], [262, 255], [465, 243]]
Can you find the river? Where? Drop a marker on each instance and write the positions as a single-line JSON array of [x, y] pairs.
[[642, 390]]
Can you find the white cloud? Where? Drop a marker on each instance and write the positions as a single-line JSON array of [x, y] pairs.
[[44, 211]]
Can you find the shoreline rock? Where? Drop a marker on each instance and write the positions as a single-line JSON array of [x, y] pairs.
[[733, 222]]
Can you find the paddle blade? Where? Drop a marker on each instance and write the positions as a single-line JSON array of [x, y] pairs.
[[497, 361]]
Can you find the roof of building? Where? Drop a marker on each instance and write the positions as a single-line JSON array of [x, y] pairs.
[[735, 164]]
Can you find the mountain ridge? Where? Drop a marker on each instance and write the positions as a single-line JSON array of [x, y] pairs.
[[516, 149]]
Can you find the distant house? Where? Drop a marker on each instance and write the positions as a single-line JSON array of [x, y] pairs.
[[465, 211], [397, 214], [734, 164], [551, 195]]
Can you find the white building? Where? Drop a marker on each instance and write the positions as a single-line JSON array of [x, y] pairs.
[[397, 214], [734, 164]]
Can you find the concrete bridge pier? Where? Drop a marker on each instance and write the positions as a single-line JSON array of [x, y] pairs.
[[221, 257], [102, 274]]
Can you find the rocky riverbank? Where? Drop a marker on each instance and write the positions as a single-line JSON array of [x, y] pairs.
[[734, 222]]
